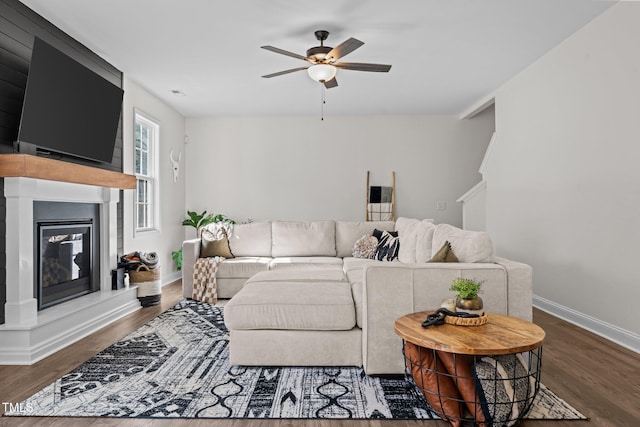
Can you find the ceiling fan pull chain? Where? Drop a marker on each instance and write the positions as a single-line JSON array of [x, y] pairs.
[[322, 101]]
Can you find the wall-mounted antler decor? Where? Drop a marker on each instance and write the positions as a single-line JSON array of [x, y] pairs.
[[175, 165]]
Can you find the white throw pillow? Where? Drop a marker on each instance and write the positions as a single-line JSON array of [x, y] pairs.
[[468, 246], [407, 229], [424, 240]]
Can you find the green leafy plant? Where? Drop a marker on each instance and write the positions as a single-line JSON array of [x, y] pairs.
[[466, 288], [198, 221], [222, 218], [176, 256]]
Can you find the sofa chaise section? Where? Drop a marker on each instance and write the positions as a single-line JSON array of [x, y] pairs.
[[392, 291]]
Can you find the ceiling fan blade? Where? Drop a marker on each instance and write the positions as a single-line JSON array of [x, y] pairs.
[[284, 52], [331, 83], [343, 49], [363, 66], [279, 73]]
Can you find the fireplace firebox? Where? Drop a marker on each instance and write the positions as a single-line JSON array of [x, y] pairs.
[[66, 251], [65, 261]]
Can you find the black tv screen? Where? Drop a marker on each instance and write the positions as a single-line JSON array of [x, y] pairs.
[[68, 108]]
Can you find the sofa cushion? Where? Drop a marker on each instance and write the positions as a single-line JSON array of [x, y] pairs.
[[469, 246], [252, 239], [242, 267], [353, 267], [424, 240], [358, 298], [347, 232], [416, 237], [315, 262], [296, 305], [292, 239], [300, 275], [408, 233]]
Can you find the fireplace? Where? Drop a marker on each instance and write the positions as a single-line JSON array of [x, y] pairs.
[[66, 251], [62, 234], [65, 261]]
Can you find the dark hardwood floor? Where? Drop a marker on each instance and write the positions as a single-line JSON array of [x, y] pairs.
[[597, 377]]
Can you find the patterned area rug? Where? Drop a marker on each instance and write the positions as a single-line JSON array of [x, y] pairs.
[[177, 365]]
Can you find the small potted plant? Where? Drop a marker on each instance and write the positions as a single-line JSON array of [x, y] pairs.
[[467, 298]]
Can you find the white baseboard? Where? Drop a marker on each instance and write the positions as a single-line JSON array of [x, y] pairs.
[[606, 330], [64, 324], [172, 277]]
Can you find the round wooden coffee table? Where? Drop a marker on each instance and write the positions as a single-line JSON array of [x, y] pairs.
[[487, 374]]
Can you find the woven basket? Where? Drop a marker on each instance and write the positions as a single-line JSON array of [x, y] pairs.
[[144, 274], [148, 283], [467, 321]]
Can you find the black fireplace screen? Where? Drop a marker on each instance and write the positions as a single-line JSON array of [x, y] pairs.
[[65, 260]]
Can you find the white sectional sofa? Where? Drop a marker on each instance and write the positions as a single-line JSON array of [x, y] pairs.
[[298, 297]]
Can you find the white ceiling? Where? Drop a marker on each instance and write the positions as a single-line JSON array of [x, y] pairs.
[[446, 54]]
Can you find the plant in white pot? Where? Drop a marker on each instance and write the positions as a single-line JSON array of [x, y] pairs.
[[467, 298]]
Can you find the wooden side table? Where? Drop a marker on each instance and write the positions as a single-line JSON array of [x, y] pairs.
[[487, 374]]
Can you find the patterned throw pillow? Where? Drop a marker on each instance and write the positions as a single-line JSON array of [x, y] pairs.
[[505, 387], [378, 233], [365, 247], [388, 247]]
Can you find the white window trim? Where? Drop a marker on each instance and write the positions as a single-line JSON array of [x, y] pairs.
[[154, 151]]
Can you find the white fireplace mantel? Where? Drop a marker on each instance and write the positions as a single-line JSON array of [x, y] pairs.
[[29, 335]]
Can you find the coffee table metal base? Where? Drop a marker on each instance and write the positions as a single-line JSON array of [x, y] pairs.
[[482, 390]]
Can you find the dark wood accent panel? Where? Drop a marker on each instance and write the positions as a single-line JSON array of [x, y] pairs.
[[23, 165], [3, 266], [18, 27]]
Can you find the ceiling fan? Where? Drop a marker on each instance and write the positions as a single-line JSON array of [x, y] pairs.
[[324, 59]]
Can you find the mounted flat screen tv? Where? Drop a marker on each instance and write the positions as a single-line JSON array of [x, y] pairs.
[[68, 109]]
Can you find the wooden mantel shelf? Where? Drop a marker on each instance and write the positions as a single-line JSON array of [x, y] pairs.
[[24, 165]]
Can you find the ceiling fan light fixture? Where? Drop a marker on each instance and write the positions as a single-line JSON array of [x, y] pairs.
[[322, 72]]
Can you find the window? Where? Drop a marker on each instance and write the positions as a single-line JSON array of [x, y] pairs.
[[145, 145]]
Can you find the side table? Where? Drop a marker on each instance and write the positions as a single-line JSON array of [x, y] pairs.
[[487, 374]]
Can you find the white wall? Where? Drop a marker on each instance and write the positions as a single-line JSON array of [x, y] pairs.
[[563, 181], [302, 168], [474, 208], [170, 233]]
